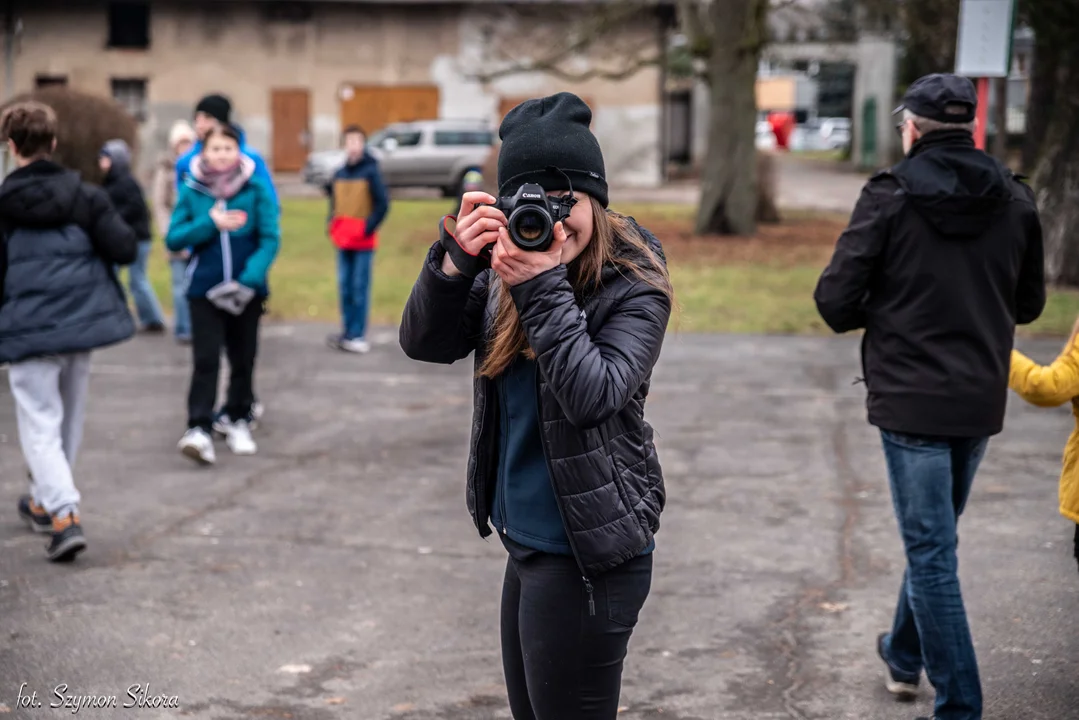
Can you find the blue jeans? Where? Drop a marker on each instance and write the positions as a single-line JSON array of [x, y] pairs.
[[182, 312], [147, 307], [931, 480], [354, 285]]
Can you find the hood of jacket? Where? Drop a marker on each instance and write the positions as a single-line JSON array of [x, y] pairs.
[[627, 251], [120, 154], [957, 188], [42, 194]]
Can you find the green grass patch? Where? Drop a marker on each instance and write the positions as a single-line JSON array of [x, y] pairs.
[[757, 288]]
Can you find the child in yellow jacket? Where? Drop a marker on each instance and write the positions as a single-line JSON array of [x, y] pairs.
[[1050, 386]]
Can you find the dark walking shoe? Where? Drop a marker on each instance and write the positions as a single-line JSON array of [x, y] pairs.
[[67, 538], [34, 515], [903, 686], [154, 328]]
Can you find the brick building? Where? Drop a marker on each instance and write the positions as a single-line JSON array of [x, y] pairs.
[[298, 71]]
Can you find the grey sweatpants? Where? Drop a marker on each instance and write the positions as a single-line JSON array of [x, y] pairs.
[[50, 405]]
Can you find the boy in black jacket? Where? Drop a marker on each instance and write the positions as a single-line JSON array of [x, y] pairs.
[[64, 236], [126, 195]]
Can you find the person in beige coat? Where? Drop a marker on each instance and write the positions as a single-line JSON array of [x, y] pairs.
[[181, 138]]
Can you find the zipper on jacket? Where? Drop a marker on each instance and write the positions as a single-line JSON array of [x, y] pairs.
[[482, 511], [501, 477], [558, 501], [226, 246]]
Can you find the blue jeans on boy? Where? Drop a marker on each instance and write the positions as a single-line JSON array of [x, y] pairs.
[[354, 285], [931, 480], [147, 308], [181, 311]]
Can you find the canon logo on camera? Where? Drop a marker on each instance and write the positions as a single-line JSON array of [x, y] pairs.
[[532, 196]]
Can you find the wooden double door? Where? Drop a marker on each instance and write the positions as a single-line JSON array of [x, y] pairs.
[[373, 107], [290, 113]]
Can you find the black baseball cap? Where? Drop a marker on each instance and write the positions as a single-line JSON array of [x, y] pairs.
[[942, 97]]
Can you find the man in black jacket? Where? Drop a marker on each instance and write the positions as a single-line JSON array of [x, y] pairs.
[[941, 260], [59, 299], [127, 196]]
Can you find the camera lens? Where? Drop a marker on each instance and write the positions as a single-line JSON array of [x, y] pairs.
[[530, 228]]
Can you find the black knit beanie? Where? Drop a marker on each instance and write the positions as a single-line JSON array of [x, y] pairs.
[[216, 106], [546, 133]]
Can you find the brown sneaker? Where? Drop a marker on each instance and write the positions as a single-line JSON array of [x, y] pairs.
[[34, 515], [67, 538]]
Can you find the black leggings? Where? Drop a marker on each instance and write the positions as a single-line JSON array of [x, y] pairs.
[[562, 663], [211, 330]]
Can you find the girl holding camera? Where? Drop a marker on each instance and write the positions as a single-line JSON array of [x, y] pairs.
[[228, 219], [562, 461]]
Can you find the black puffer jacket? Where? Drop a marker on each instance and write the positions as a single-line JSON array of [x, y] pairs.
[[595, 356], [59, 240]]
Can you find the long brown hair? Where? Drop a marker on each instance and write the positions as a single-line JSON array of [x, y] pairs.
[[609, 230]]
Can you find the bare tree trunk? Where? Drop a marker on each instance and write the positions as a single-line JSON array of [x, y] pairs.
[[1043, 90], [729, 177], [1057, 178], [1000, 120]]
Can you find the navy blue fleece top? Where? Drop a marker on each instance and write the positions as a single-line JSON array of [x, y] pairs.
[[525, 509]]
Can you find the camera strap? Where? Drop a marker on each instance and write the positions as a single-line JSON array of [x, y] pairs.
[[469, 265]]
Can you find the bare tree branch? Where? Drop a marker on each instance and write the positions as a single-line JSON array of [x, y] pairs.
[[587, 35], [551, 67]]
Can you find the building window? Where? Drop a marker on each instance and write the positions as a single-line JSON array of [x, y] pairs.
[[131, 93], [44, 81], [464, 137], [129, 25]]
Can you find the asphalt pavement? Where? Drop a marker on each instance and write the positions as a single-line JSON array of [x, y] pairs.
[[336, 574]]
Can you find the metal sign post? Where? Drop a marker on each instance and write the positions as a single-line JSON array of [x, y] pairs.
[[984, 50]]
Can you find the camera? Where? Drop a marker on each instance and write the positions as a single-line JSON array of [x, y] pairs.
[[531, 216]]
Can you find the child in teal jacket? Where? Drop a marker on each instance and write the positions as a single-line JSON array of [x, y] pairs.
[[228, 219]]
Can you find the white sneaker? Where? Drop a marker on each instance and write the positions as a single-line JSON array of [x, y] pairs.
[[222, 423], [199, 446], [355, 346], [239, 439], [257, 410]]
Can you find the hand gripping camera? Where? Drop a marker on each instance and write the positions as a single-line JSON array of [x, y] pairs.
[[531, 216]]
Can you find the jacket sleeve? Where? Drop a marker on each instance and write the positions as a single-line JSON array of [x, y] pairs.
[[443, 318], [258, 265], [591, 377], [328, 189], [183, 166], [118, 195], [112, 238], [1045, 386], [161, 192], [380, 201], [842, 289], [262, 172], [3, 264], [189, 228], [1030, 288]]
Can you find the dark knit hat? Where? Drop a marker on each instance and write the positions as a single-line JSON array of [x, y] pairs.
[[216, 106], [547, 139]]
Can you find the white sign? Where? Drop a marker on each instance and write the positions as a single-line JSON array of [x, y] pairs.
[[984, 46]]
